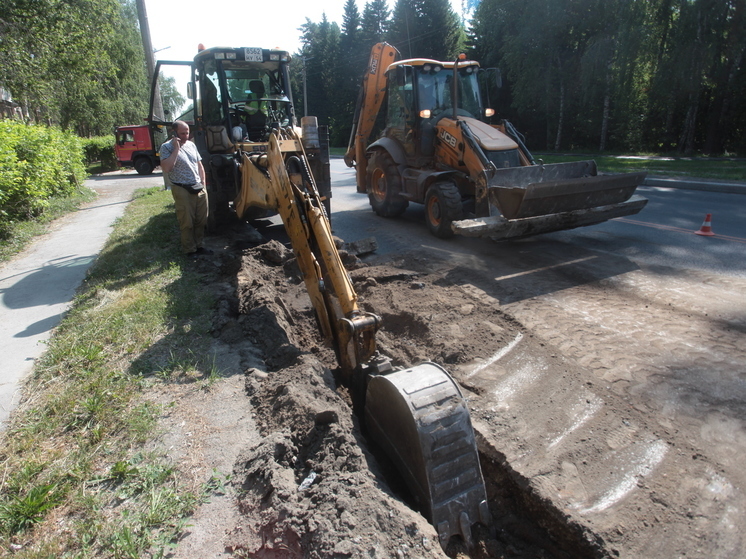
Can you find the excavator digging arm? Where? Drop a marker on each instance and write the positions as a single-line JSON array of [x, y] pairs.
[[281, 181], [417, 415], [370, 98]]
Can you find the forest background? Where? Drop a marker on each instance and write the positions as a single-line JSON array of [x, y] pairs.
[[635, 76]]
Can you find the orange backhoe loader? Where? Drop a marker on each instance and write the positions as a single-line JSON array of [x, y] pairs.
[[475, 179]]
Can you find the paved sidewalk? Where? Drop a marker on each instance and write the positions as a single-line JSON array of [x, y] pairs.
[[38, 285]]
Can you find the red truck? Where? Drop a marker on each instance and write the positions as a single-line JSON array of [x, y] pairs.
[[134, 148]]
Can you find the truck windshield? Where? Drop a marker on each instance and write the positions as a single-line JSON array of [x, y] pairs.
[[434, 90], [258, 90]]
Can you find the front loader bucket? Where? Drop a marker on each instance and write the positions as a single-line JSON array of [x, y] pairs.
[[496, 227], [538, 190], [420, 419]]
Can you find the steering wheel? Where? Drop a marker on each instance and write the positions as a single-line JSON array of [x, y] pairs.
[[238, 115]]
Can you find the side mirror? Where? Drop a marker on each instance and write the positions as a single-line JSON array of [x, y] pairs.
[[190, 90]]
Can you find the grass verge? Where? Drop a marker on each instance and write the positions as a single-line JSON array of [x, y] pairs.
[[683, 167], [80, 474]]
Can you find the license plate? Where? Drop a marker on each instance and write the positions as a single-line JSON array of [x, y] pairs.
[[253, 55]]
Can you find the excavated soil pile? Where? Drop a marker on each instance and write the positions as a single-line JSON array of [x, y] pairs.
[[311, 488]]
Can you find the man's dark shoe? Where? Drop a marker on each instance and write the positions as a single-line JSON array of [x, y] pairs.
[[192, 255], [203, 250]]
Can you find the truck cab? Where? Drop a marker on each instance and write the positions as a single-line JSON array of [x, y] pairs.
[[134, 148]]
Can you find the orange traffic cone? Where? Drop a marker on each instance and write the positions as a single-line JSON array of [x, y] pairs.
[[706, 228]]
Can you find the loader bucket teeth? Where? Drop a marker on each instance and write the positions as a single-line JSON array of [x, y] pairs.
[[420, 419]]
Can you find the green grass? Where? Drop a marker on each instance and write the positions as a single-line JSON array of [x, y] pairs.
[[77, 479], [686, 167]]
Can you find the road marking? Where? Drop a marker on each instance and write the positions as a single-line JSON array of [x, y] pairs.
[[571, 262], [589, 411], [498, 355], [676, 229], [653, 456], [526, 375]]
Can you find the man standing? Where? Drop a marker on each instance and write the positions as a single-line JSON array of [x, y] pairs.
[[181, 160]]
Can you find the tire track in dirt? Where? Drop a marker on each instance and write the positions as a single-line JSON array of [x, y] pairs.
[[672, 350]]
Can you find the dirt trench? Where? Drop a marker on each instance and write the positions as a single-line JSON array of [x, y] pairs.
[[311, 486]]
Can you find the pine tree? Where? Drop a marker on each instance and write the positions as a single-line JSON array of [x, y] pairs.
[[426, 29], [375, 23]]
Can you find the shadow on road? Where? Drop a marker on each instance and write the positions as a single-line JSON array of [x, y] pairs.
[[523, 270]]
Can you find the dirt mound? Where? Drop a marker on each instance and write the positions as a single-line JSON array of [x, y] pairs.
[[426, 318], [310, 487]]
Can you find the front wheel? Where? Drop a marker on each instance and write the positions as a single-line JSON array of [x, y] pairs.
[[442, 207], [385, 186]]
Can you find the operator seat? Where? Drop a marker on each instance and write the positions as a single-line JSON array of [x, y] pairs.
[[257, 120]]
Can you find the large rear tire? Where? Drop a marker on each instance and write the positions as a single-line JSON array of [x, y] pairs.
[[442, 207], [385, 186], [143, 166]]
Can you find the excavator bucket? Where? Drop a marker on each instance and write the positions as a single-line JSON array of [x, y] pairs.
[[543, 198], [420, 419]]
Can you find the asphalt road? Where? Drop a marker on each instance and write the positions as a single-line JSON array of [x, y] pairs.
[[618, 403], [663, 233]]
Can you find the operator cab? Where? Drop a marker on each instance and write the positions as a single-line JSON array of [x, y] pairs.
[[246, 94], [420, 93]]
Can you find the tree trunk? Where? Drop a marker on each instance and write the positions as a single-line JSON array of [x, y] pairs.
[[560, 120], [686, 141], [719, 123], [606, 111], [547, 97]]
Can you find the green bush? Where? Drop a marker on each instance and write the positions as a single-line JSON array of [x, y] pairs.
[[36, 164], [100, 150]]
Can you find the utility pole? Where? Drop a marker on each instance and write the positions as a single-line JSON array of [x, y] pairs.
[[147, 46], [305, 94]]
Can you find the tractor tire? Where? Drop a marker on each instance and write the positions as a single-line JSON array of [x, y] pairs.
[[219, 213], [144, 166], [385, 186], [442, 207]]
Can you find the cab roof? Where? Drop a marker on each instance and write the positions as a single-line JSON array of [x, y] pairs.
[[419, 62], [252, 54]]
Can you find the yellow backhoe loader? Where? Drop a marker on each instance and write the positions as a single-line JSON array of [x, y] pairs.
[[475, 179], [417, 415]]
